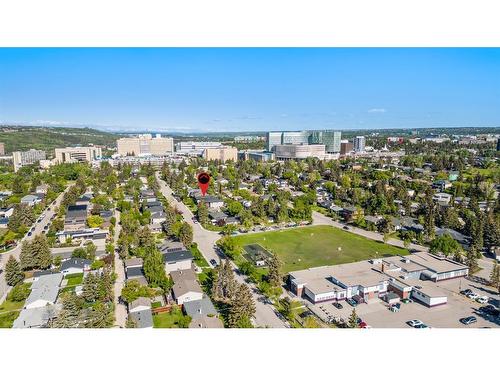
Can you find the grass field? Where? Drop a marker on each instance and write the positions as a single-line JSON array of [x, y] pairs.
[[318, 246], [173, 319]]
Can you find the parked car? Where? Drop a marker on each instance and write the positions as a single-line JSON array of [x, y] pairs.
[[338, 305], [468, 320], [482, 299], [351, 302], [345, 227], [213, 262], [394, 308], [466, 292], [473, 296], [363, 325], [422, 326], [414, 322], [29, 234], [489, 310], [406, 300]]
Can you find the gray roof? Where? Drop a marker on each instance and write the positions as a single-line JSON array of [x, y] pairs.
[[170, 246], [75, 263], [133, 272], [177, 256], [141, 301], [37, 317], [143, 318], [199, 308], [46, 288], [133, 262]]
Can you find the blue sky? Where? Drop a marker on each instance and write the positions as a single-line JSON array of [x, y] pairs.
[[216, 89]]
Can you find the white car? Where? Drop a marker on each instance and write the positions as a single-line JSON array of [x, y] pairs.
[[473, 296], [415, 322], [482, 299]]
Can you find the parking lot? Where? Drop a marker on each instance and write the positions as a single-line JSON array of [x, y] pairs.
[[377, 315]]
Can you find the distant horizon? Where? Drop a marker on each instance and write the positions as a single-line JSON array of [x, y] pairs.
[[189, 132], [207, 90]]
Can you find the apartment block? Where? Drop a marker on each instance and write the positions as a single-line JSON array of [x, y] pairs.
[[145, 144], [22, 158]]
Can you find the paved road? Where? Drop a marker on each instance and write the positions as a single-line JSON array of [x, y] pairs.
[[265, 315], [320, 219], [120, 309], [4, 257]]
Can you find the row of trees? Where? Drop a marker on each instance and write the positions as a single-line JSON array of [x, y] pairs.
[[236, 297]]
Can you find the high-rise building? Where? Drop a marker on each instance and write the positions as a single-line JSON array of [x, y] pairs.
[[195, 148], [329, 138], [359, 143], [145, 145], [77, 154], [22, 158], [345, 147], [2, 149], [302, 151], [223, 153], [273, 139]]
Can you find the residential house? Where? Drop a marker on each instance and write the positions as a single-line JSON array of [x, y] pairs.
[[76, 217], [186, 287], [140, 312], [32, 199], [44, 291], [75, 265], [37, 317]]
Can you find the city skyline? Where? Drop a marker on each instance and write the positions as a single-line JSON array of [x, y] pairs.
[[254, 89]]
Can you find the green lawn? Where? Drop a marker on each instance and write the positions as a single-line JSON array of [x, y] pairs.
[[318, 246], [173, 319], [74, 279], [7, 319]]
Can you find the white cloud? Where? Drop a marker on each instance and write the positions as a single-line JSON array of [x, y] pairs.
[[377, 110]]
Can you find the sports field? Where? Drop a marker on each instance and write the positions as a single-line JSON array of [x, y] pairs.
[[318, 246]]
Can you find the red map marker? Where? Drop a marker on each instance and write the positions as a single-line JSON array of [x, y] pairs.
[[203, 181]]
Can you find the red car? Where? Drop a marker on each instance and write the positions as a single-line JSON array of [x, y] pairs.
[[363, 325]]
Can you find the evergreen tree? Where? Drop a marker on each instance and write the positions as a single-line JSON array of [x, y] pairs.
[[353, 319], [22, 217], [13, 273], [71, 312], [90, 288], [242, 308], [274, 276], [495, 277], [170, 219], [186, 234], [202, 213], [224, 284], [154, 269], [471, 259]]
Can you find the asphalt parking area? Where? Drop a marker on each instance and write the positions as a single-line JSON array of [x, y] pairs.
[[377, 315]]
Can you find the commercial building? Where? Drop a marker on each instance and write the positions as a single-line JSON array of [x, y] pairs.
[[273, 139], [22, 158], [346, 147], [329, 138], [260, 156], [359, 143], [195, 148], [145, 144], [223, 153], [77, 154], [248, 138], [302, 151], [408, 276]]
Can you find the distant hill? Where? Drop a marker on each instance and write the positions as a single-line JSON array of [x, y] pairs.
[[21, 138]]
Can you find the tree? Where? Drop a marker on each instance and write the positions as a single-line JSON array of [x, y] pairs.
[[133, 290], [36, 254], [186, 234], [274, 276], [444, 245], [13, 273], [154, 269], [224, 284], [22, 217], [495, 277], [202, 213], [95, 221], [471, 259], [353, 319], [19, 293], [229, 246], [242, 308]]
